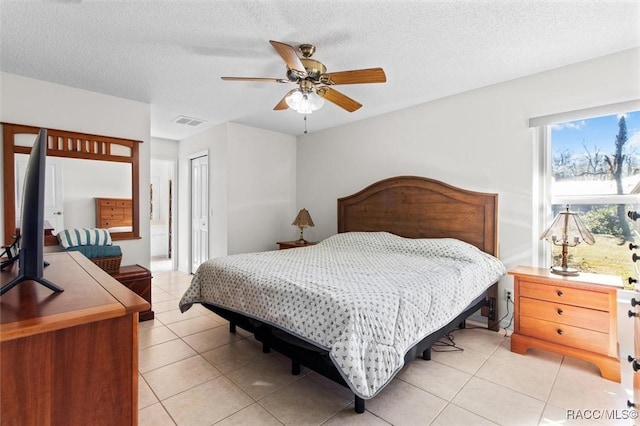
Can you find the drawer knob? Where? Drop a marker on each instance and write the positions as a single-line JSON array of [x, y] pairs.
[[635, 365], [634, 257], [632, 246], [630, 404], [631, 314], [634, 302], [632, 280], [633, 215], [559, 293], [560, 311], [560, 332]]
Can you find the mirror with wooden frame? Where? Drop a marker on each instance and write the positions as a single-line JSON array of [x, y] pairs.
[[113, 161]]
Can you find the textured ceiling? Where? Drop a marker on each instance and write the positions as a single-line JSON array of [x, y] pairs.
[[172, 54]]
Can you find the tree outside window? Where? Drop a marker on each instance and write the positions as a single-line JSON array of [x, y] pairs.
[[595, 168]]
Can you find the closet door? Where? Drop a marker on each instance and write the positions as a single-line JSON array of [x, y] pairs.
[[199, 211]]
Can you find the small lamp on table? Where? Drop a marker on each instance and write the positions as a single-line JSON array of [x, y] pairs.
[[567, 230], [302, 220]]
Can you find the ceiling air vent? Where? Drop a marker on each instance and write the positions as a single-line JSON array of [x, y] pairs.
[[188, 121]]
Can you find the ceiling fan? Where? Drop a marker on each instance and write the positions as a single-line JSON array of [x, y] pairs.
[[313, 81]]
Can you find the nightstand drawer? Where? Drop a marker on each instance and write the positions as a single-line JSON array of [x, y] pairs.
[[565, 295], [565, 314], [566, 335]]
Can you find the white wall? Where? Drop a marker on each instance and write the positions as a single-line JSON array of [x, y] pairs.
[[261, 189], [39, 103], [214, 142], [478, 140], [252, 179]]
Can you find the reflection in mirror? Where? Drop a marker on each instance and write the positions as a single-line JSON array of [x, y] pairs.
[[80, 169], [72, 185]]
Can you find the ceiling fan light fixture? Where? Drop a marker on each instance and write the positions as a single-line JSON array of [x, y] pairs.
[[304, 102]]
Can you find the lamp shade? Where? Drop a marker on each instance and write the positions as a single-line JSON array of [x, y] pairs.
[[567, 228], [304, 102], [303, 219]]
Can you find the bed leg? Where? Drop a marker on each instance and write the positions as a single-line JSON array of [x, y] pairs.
[[463, 324], [295, 367], [359, 402], [232, 327], [265, 348], [426, 354]]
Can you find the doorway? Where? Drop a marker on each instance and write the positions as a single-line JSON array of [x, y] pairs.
[[161, 214]]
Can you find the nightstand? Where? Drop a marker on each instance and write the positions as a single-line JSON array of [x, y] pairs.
[[282, 245], [575, 316]]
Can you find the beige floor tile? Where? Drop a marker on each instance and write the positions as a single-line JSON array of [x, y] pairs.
[[174, 315], [266, 374], [154, 336], [165, 305], [452, 415], [163, 354], [158, 295], [304, 402], [154, 415], [400, 403], [253, 415], [234, 355], [181, 375], [211, 339], [207, 403], [439, 379], [580, 386], [479, 339], [146, 397], [499, 404], [194, 325], [348, 417], [468, 360], [532, 374], [145, 325]]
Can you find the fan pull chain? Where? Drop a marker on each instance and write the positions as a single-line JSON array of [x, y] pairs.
[[305, 124]]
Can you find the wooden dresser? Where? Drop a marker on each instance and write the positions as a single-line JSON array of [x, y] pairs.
[[69, 357], [114, 212], [574, 316]]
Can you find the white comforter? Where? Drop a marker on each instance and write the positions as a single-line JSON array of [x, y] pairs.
[[367, 298]]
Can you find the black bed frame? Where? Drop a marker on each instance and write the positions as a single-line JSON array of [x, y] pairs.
[[317, 359], [411, 207]]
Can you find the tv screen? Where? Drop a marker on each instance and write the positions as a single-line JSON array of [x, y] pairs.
[[31, 253]]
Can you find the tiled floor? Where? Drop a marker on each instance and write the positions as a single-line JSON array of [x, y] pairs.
[[194, 372]]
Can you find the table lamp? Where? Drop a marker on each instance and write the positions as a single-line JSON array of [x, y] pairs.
[[567, 230], [302, 220]]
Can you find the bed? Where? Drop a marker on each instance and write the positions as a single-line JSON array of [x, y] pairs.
[[359, 305]]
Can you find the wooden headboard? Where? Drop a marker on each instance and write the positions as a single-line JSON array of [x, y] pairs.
[[417, 207]]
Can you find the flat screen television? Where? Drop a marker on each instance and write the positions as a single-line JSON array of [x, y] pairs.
[[30, 255]]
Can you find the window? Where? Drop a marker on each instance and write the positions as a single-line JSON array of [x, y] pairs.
[[593, 165]]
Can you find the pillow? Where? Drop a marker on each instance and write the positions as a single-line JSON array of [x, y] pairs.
[[84, 236]]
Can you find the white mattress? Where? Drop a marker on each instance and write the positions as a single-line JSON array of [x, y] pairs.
[[367, 298]]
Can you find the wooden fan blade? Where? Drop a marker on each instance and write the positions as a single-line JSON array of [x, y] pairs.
[[290, 56], [258, 79], [369, 75], [282, 105], [343, 101]]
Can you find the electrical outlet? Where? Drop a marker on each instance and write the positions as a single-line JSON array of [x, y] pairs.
[[507, 294]]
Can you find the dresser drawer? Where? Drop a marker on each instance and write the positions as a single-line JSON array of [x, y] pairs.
[[566, 335], [565, 295], [115, 203], [565, 314]]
